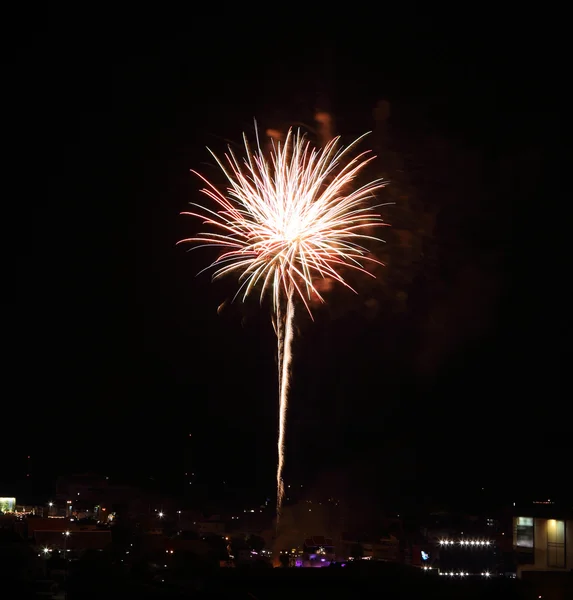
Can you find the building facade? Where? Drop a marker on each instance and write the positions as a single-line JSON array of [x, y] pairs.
[[543, 542]]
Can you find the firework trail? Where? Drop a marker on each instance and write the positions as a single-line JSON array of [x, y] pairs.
[[284, 221], [285, 336]]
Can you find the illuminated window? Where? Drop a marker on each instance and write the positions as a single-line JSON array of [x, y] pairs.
[[556, 544], [7, 504], [524, 532]]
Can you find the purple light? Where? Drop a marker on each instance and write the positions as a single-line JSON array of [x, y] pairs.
[[322, 559]]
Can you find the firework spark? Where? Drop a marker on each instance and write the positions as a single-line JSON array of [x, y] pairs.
[[285, 220]]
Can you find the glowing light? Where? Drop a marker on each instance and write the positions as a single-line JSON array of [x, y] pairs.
[[7, 504], [285, 221], [474, 543]]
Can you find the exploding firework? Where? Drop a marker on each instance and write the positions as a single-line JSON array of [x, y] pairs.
[[285, 220]]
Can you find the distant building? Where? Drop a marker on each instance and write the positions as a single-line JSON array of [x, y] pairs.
[[543, 539], [187, 520], [94, 496], [39, 524], [76, 542], [386, 547], [212, 526]]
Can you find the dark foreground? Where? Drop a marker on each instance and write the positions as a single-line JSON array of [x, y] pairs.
[[365, 581], [384, 582]]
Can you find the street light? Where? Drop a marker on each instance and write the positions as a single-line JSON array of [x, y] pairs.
[[66, 535]]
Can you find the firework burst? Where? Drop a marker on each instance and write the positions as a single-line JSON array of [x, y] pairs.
[[285, 220]]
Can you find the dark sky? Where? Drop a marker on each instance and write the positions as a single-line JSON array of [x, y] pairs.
[[115, 351]]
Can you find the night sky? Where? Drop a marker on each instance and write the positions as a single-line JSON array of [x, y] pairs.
[[114, 351]]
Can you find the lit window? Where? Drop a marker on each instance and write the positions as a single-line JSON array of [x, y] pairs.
[[556, 544], [524, 538]]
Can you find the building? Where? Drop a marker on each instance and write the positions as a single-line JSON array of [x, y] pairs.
[[76, 542], [58, 525], [93, 496], [543, 538], [212, 526], [387, 548]]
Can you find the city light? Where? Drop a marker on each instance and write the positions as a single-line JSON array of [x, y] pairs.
[[467, 543]]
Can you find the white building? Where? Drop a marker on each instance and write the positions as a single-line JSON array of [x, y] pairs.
[[543, 544]]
